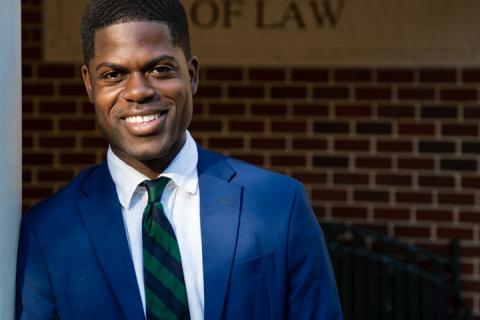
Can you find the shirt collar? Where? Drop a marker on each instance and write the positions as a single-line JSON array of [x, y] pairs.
[[182, 171]]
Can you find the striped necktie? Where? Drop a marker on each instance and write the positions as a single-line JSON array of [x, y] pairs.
[[165, 292]]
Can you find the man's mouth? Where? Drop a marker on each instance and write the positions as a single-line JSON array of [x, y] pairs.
[[146, 118]]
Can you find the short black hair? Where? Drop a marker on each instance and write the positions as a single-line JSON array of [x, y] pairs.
[[103, 13]]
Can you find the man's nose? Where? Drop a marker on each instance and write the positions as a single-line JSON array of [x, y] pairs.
[[137, 88]]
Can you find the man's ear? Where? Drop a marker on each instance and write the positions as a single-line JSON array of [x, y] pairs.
[[193, 71], [87, 81]]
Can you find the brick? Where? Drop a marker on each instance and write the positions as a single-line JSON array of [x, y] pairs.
[[72, 90], [37, 158], [94, 142], [226, 143], [331, 127], [351, 145], [290, 161], [373, 163], [198, 108], [310, 74], [377, 128], [434, 216], [373, 93], [353, 75], [331, 161], [56, 71], [349, 212], [471, 75], [456, 199], [416, 164], [391, 214], [331, 93], [289, 126], [77, 125], [224, 73], [246, 91], [439, 112], [458, 165], [325, 194], [205, 125], [416, 94], [471, 147], [393, 75], [31, 16], [437, 75], [436, 147], [471, 182], [27, 71], [27, 107], [396, 111], [469, 217], [267, 143], [55, 175], [36, 192], [471, 112], [57, 142], [246, 126], [31, 52], [258, 160], [458, 94], [351, 178], [310, 177], [26, 176], [27, 142], [289, 92], [400, 180], [460, 130], [416, 129], [413, 197], [37, 89], [353, 111], [227, 109], [269, 109], [435, 181], [77, 158], [371, 196], [209, 91], [309, 144], [267, 74], [37, 125], [57, 107], [310, 110], [455, 233], [412, 231], [394, 146]]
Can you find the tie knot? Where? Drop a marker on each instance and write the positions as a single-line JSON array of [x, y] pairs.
[[155, 188]]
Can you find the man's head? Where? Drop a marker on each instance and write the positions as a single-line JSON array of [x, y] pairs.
[[103, 13], [141, 79]]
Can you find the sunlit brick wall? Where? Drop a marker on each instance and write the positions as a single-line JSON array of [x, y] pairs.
[[393, 149]]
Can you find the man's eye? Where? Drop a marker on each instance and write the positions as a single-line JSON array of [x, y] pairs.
[[161, 70], [112, 75]]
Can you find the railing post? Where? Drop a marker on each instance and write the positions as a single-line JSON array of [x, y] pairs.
[[10, 157]]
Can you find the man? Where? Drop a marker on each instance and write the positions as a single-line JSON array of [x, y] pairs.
[[246, 242]]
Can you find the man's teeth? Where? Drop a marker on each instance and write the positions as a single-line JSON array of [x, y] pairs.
[[142, 119]]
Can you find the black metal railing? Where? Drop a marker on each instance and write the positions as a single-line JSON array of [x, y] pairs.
[[382, 278]]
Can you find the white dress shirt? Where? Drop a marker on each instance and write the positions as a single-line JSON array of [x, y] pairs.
[[181, 203]]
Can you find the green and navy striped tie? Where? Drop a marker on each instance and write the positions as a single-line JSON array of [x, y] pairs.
[[165, 292]]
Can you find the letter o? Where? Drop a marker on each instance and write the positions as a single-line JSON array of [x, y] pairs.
[[213, 13]]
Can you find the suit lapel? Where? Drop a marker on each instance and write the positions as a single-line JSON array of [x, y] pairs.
[[220, 204], [101, 212]]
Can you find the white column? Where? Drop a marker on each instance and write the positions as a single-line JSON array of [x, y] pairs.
[[10, 150]]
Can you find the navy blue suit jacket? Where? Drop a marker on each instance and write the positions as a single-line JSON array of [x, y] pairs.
[[264, 255]]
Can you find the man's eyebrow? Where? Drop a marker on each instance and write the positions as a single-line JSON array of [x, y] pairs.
[[148, 65]]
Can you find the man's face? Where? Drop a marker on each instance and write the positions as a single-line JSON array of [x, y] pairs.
[[142, 87]]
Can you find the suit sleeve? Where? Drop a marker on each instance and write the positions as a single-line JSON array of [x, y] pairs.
[[312, 291], [34, 297]]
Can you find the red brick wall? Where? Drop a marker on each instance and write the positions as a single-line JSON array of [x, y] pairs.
[[394, 149]]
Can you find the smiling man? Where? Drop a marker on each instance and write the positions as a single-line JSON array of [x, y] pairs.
[[165, 229]]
